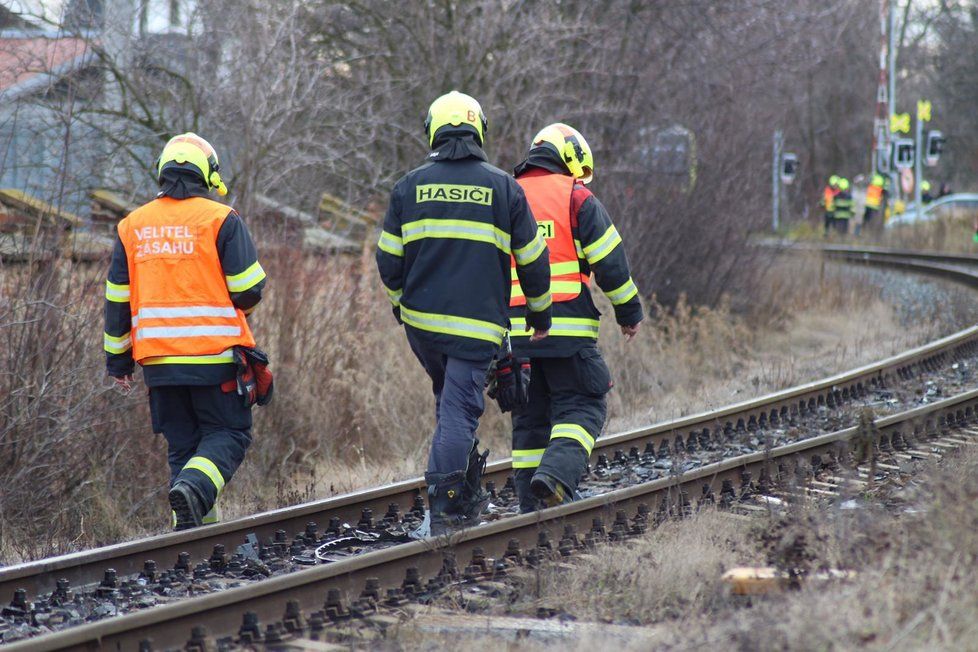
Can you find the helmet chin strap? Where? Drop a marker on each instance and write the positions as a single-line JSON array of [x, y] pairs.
[[217, 184], [570, 158]]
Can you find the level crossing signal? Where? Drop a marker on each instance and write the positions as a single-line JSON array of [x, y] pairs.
[[789, 167], [934, 148], [903, 153]]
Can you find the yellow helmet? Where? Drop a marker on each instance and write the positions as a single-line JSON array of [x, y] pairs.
[[834, 180], [843, 183], [925, 186], [191, 152], [455, 109], [567, 143], [877, 180]]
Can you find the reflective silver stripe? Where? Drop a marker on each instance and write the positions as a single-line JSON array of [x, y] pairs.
[[597, 250], [452, 325], [246, 279], [539, 304], [567, 326], [462, 229], [117, 345], [179, 312], [174, 332], [117, 292], [527, 254], [391, 243], [622, 294]]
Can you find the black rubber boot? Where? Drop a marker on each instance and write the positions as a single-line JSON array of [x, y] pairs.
[[475, 498], [445, 496], [187, 506], [550, 491], [528, 500]]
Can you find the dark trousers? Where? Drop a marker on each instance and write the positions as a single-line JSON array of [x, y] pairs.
[[829, 220], [458, 386], [555, 433], [207, 433]]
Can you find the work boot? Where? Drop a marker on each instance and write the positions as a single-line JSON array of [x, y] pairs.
[[187, 506], [445, 501], [528, 501], [475, 498], [550, 491]]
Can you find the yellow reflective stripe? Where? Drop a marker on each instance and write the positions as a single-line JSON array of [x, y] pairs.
[[528, 458], [580, 249], [561, 326], [622, 294], [452, 325], [540, 303], [527, 254], [603, 246], [457, 229], [218, 358], [117, 345], [575, 432], [117, 292], [208, 468], [391, 243], [569, 267], [556, 287], [246, 279], [213, 516], [394, 295], [556, 269]]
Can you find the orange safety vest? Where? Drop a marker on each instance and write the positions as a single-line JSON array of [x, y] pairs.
[[177, 290], [874, 196], [549, 197], [828, 198]]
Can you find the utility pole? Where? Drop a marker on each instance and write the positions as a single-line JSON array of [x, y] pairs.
[[923, 115], [891, 91], [776, 181], [881, 142]]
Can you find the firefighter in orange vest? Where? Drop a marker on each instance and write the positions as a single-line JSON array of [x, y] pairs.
[[829, 192], [874, 198], [184, 275], [553, 436]]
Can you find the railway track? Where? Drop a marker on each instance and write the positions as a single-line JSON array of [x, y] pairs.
[[488, 549]]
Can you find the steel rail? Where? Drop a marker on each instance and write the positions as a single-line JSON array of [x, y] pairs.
[[170, 626], [86, 567]]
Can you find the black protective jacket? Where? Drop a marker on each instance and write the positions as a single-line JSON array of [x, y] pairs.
[[600, 252], [444, 252]]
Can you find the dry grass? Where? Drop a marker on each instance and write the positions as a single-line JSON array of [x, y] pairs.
[[952, 232], [353, 407], [913, 588]]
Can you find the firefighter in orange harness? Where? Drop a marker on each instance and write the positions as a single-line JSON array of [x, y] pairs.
[[553, 436], [184, 274]]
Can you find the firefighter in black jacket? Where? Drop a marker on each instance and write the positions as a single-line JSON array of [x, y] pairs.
[[554, 435], [444, 258]]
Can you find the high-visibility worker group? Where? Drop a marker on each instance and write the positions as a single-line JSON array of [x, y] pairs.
[[839, 209], [489, 273]]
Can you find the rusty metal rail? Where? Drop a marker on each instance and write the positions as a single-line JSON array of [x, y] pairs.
[[629, 510], [127, 558]]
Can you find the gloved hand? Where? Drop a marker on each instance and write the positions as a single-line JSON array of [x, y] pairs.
[[509, 383], [253, 380]]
